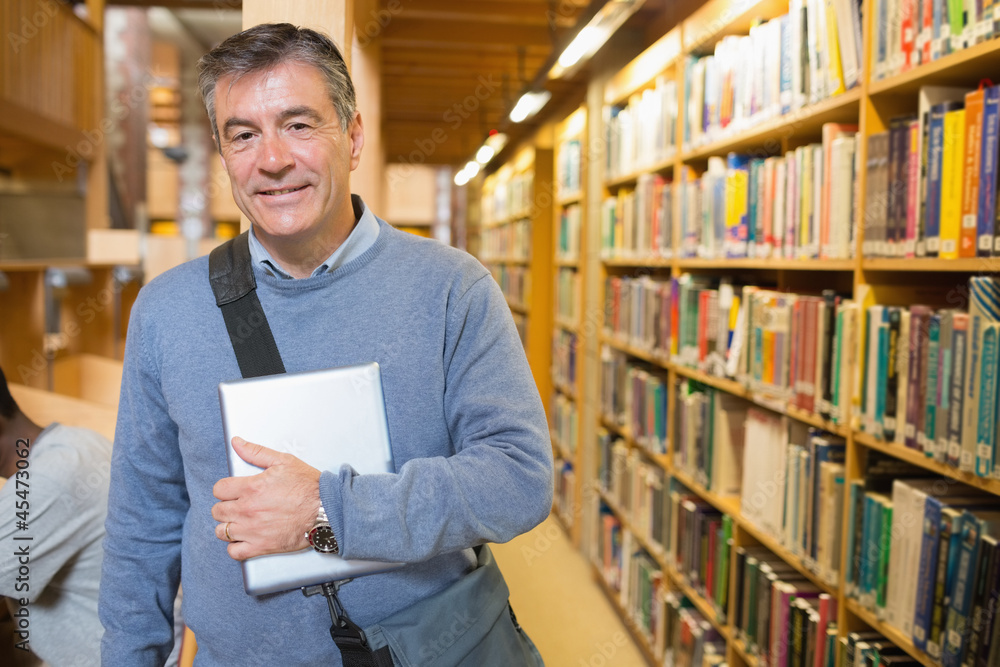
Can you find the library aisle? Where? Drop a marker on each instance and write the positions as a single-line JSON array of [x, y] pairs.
[[559, 604]]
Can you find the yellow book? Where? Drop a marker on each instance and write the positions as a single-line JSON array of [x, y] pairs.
[[952, 169], [835, 70]]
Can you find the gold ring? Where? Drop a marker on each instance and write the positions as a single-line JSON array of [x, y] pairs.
[[229, 538]]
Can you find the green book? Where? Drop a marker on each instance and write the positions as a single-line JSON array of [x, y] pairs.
[[885, 540]]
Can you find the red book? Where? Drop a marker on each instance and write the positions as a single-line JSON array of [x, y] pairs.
[[703, 301]]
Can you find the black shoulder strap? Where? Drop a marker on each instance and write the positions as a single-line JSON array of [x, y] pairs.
[[231, 274]]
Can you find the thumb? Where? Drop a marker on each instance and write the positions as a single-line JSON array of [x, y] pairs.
[[255, 454]]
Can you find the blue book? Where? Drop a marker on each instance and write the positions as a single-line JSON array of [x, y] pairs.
[[927, 572], [961, 597], [873, 547], [959, 346], [821, 448], [935, 155], [930, 403], [986, 210], [785, 94]]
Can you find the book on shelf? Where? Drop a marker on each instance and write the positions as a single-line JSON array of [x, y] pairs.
[[781, 65]]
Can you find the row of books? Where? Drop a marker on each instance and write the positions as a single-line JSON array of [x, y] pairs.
[[634, 396], [515, 283], [510, 197], [929, 378], [801, 58], [709, 436], [643, 131], [908, 33], [923, 556], [564, 359], [698, 541], [781, 617], [568, 163], [932, 178], [792, 489], [567, 294], [564, 488], [564, 422], [678, 633], [568, 242], [637, 224], [791, 348], [511, 241], [799, 206], [636, 485]]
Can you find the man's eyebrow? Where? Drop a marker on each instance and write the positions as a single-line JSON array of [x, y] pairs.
[[235, 122], [301, 110]]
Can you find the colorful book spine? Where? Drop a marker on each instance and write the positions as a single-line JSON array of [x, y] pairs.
[[986, 212]]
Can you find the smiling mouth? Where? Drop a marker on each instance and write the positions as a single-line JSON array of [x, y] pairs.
[[281, 192]]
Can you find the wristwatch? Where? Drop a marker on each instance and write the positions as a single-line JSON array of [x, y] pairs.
[[321, 536]]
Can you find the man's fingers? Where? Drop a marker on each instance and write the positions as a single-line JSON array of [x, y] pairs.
[[255, 454]]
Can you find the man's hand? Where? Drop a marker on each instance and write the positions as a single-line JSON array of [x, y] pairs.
[[269, 512]]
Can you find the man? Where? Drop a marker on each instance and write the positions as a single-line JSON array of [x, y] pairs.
[[338, 287], [54, 502]]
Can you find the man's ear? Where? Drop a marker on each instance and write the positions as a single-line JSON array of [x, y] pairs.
[[356, 132]]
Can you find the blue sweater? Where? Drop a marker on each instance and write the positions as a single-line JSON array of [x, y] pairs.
[[468, 432]]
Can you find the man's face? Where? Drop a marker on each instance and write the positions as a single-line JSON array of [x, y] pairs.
[[287, 157]]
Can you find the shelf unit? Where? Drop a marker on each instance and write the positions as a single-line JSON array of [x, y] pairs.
[[516, 209], [886, 281], [568, 274]]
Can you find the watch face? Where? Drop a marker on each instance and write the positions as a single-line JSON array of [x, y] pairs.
[[323, 540]]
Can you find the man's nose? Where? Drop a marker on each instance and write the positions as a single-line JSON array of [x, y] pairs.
[[275, 156]]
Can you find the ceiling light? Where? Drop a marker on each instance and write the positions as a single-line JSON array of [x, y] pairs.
[[529, 104], [471, 168], [593, 35], [485, 154], [461, 178]]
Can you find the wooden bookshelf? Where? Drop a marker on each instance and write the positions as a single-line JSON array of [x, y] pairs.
[[637, 635], [569, 246], [870, 105]]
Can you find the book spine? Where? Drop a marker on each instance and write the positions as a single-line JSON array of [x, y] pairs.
[[959, 339], [986, 409], [961, 598], [974, 103], [951, 183], [891, 391], [935, 156], [926, 581], [986, 211], [941, 588], [928, 430]]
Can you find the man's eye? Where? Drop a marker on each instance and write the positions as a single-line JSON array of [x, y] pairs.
[[299, 126], [243, 136]]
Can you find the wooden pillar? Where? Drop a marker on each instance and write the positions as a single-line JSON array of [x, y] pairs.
[[366, 72], [334, 17]]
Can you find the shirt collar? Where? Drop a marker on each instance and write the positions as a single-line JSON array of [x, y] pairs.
[[362, 237]]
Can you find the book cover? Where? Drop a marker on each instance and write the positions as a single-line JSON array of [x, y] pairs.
[[971, 179], [929, 96], [986, 388], [952, 174], [986, 209], [943, 390], [935, 175], [959, 339]]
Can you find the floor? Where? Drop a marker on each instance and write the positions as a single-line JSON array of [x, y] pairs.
[[558, 602]]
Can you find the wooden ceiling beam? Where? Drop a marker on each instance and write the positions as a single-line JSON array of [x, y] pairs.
[[486, 11], [469, 34]]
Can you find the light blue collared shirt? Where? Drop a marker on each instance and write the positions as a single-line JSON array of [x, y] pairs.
[[362, 237]]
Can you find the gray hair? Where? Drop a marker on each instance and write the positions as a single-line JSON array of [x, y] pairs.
[[264, 47]]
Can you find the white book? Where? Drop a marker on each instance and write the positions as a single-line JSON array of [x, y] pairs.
[[841, 197]]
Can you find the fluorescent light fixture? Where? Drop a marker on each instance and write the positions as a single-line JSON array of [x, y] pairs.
[[472, 168], [587, 41], [529, 104], [485, 154], [461, 178], [593, 35]]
